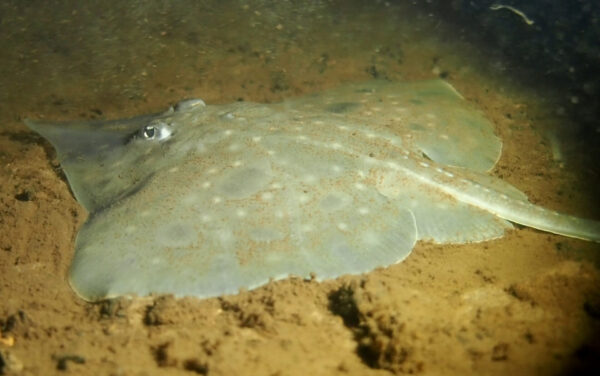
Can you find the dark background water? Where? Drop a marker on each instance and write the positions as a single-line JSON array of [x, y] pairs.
[[561, 48]]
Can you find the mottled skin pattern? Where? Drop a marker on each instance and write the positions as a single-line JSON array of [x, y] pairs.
[[205, 200]]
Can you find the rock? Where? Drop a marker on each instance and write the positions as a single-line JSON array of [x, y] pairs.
[[9, 363]]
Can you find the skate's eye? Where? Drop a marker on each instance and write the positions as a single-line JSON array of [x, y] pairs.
[[156, 130], [149, 132]]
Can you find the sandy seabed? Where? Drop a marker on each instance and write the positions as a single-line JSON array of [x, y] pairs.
[[526, 304]]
